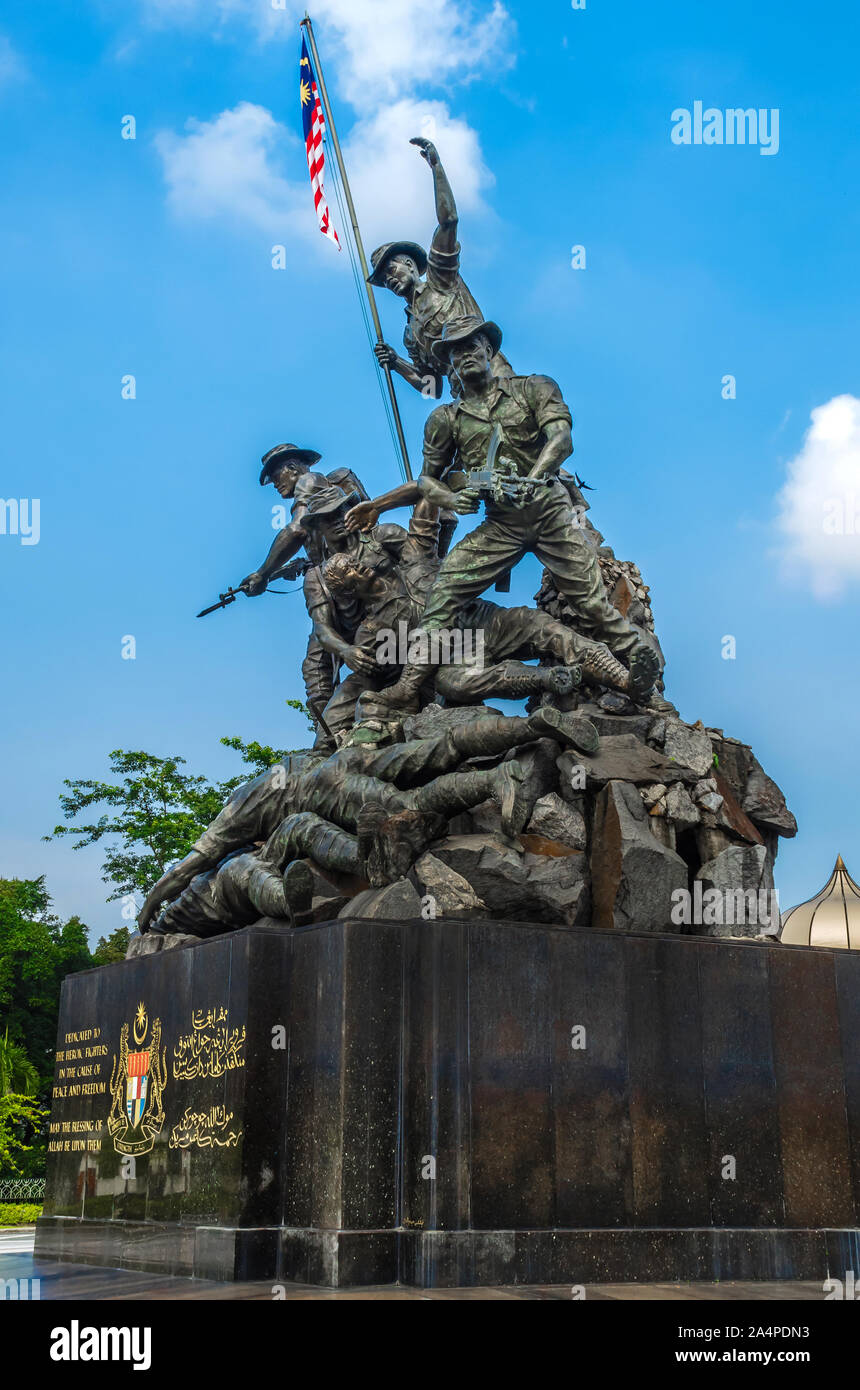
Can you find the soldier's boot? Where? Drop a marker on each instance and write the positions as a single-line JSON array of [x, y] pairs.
[[516, 794], [281, 895], [266, 892], [299, 888], [405, 693], [645, 668], [600, 667], [517, 681], [568, 729]]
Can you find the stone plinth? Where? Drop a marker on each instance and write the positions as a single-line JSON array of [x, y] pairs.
[[461, 1102]]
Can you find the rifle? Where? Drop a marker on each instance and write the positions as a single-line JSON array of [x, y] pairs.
[[294, 570]]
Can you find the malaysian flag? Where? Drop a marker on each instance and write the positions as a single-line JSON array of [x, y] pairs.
[[314, 123]]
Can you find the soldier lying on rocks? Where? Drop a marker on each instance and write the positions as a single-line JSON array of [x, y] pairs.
[[341, 812]]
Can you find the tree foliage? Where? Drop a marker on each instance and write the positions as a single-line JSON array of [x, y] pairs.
[[37, 951], [18, 1076], [22, 1120], [112, 948]]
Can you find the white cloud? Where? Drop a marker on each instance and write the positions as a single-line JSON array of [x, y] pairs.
[[819, 517], [391, 183], [380, 58], [233, 167], [386, 50], [230, 167], [379, 50]]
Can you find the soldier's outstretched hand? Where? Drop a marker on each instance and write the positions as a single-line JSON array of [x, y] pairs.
[[428, 150], [362, 517], [254, 585]]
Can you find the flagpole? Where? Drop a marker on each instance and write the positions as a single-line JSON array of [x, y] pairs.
[[307, 24]]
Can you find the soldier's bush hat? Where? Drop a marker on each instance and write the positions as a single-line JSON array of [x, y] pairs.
[[327, 501], [461, 330], [286, 453], [382, 255]]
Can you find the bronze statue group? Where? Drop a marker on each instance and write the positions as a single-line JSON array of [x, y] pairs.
[[366, 802]]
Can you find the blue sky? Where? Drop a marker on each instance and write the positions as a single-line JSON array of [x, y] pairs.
[[153, 257]]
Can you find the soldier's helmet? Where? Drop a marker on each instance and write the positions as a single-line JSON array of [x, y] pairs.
[[382, 255], [461, 330], [287, 454], [328, 502]]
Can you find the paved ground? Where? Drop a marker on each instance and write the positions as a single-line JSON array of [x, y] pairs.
[[63, 1282], [17, 1240]]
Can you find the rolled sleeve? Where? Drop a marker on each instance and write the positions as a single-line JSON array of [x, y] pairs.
[[439, 442], [443, 268], [547, 402]]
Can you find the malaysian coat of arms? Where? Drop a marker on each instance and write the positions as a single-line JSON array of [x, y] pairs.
[[137, 1086]]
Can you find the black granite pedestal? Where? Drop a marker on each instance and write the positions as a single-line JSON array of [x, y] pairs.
[[460, 1103]]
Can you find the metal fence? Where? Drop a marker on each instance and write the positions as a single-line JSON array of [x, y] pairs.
[[22, 1189]]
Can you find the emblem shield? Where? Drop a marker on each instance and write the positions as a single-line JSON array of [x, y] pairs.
[[137, 1081]]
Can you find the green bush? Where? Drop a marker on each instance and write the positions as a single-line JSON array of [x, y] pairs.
[[18, 1213]]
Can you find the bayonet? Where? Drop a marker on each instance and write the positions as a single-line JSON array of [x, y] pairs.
[[224, 602]]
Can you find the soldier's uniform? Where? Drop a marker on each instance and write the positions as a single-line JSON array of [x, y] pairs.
[[511, 636], [443, 296], [318, 667], [456, 440], [311, 807]]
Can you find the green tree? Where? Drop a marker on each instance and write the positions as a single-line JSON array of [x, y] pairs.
[[37, 951], [112, 948], [155, 813], [21, 1120], [18, 1076], [21, 1115]]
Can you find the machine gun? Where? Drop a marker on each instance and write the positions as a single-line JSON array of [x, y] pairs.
[[499, 482]]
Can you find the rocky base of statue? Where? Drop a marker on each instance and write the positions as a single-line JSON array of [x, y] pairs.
[[458, 1103], [666, 827]]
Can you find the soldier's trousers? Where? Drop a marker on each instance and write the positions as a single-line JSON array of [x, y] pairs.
[[318, 673], [237, 893], [546, 529], [521, 633]]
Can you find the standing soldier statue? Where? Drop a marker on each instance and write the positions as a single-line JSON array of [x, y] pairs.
[[289, 469], [528, 510]]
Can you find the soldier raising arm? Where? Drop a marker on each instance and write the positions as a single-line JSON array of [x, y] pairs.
[[430, 303]]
